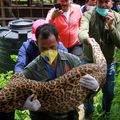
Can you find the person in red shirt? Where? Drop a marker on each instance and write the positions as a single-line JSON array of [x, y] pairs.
[[67, 21]]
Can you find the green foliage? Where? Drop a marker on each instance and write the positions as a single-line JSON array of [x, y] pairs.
[[4, 78], [22, 115], [97, 103], [13, 57], [49, 1], [19, 115], [115, 110]]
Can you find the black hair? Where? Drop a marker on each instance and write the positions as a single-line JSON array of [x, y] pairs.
[[45, 31]]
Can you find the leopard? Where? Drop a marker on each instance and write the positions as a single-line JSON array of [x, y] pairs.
[[60, 95]]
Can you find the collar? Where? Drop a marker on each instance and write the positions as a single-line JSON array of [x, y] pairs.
[[41, 62], [71, 8], [62, 55]]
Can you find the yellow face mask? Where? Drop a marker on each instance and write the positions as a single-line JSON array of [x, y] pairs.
[[49, 55]]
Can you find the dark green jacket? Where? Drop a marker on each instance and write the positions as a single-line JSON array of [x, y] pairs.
[[36, 70], [93, 25]]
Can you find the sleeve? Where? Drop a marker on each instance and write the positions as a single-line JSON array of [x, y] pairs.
[[22, 59], [28, 73], [84, 27], [49, 16], [115, 33], [74, 60], [62, 47], [33, 70]]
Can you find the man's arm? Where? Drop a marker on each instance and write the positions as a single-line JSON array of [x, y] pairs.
[[114, 31], [86, 81], [52, 14], [49, 16], [21, 60], [84, 27]]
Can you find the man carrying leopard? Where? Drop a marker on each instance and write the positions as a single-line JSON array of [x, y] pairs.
[[45, 68]]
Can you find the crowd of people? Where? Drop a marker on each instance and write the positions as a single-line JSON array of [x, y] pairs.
[[60, 43]]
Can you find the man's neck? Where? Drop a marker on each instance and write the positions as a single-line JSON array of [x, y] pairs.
[[53, 65]]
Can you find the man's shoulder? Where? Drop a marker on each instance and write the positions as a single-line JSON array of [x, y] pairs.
[[34, 63], [68, 56], [73, 60], [27, 43], [75, 5], [29, 46], [89, 13]]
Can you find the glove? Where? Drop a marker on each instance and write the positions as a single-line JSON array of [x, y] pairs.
[[89, 82], [32, 103]]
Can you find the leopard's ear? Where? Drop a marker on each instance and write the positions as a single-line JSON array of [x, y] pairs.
[[18, 76]]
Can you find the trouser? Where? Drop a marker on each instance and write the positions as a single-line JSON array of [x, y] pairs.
[[7, 116], [76, 49], [108, 91], [73, 115]]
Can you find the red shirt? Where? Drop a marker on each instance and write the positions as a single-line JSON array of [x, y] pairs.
[[68, 29]]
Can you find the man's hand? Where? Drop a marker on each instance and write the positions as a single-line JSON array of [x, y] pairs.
[[89, 82], [32, 104], [110, 19], [92, 42], [56, 13]]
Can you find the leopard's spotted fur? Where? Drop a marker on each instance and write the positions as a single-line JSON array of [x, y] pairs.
[[61, 95]]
